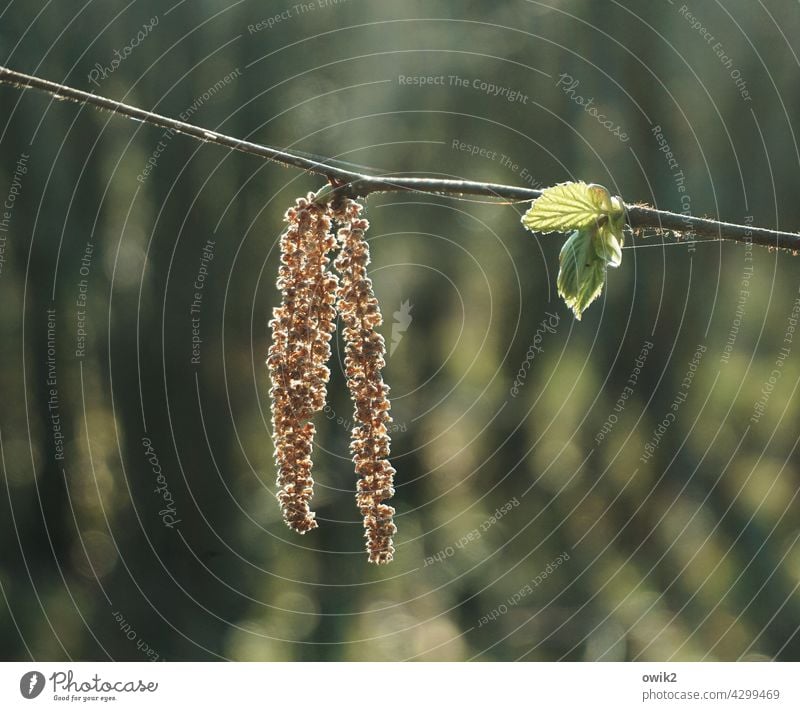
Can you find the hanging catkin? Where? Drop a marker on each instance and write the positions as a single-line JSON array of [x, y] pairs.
[[364, 358], [301, 331]]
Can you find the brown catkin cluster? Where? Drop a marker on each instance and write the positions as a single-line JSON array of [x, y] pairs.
[[301, 332], [364, 358], [302, 327]]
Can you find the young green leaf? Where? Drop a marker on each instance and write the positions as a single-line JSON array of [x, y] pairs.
[[582, 271], [569, 206], [595, 244], [608, 244]]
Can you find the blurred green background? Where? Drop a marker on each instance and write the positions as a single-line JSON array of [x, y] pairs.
[[532, 523]]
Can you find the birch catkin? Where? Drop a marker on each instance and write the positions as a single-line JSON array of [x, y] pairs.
[[302, 327], [364, 358], [301, 331]]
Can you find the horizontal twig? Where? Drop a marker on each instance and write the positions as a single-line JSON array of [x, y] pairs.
[[359, 184]]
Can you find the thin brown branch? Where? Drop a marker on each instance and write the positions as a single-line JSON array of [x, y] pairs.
[[354, 184]]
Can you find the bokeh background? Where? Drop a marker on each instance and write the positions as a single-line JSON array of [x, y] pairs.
[[526, 531]]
